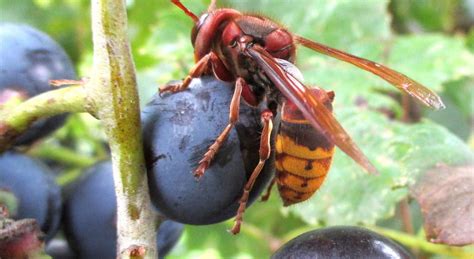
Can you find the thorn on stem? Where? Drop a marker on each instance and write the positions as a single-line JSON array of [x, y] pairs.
[[63, 82], [136, 251]]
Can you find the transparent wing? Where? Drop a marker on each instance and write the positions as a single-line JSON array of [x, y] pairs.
[[399, 80], [313, 110]]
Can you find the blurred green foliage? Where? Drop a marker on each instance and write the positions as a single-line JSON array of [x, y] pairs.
[[425, 15], [429, 40]]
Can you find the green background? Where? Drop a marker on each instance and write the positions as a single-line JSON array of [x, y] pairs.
[[431, 41]]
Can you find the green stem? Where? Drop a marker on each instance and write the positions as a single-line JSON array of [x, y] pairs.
[[257, 233], [64, 155], [417, 243], [15, 120], [82, 131], [113, 89], [68, 176]]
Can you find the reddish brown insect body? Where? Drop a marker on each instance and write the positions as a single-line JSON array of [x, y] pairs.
[[256, 54]]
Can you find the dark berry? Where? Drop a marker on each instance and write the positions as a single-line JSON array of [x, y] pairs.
[[28, 60], [341, 242], [178, 129], [90, 217], [36, 192]]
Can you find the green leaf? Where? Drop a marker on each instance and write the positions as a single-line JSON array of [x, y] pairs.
[[470, 40], [68, 22], [433, 59], [401, 152], [9, 202], [159, 30], [166, 52], [141, 21], [261, 232], [226, 245], [337, 23], [425, 15], [462, 95], [340, 24], [349, 83], [459, 113]]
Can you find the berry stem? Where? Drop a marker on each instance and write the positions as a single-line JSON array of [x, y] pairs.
[[15, 120], [415, 242], [112, 89], [111, 96]]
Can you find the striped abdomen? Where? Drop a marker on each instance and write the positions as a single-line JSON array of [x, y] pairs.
[[303, 156]]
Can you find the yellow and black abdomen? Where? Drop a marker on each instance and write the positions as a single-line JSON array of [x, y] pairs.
[[303, 157]]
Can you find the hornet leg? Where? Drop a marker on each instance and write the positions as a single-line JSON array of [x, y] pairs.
[[265, 150], [199, 68], [269, 190], [233, 118]]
